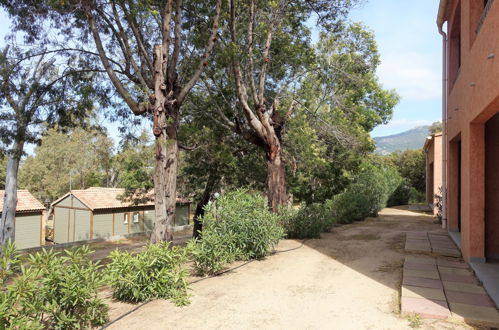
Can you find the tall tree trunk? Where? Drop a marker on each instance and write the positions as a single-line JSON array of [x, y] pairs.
[[165, 171], [165, 185], [276, 178], [7, 231], [208, 190]]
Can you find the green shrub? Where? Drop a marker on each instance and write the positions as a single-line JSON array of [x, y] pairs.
[[367, 195], [55, 291], [401, 195], [238, 226], [309, 221], [211, 254], [156, 272], [9, 261], [416, 197]]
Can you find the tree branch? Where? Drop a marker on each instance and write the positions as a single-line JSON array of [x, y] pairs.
[[136, 108], [203, 61]]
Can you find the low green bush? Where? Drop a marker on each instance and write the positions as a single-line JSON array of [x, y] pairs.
[[54, 291], [367, 195], [211, 254], [401, 195], [238, 226], [416, 197], [309, 221], [156, 272]]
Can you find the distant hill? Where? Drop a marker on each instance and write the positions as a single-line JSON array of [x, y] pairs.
[[411, 139]]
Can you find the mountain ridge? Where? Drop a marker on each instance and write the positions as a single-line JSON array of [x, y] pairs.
[[410, 139]]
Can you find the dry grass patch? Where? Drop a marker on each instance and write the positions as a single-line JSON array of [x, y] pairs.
[[397, 243], [363, 237], [391, 267]]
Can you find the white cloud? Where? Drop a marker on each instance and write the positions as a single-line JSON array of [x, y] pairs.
[[414, 76]]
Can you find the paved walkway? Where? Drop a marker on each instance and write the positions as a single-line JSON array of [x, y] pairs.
[[436, 243], [439, 287]]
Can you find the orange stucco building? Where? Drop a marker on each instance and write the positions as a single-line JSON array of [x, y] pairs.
[[471, 121], [433, 152]]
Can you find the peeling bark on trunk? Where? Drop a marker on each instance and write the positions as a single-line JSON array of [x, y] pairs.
[[276, 178], [165, 172], [10, 199], [165, 185]]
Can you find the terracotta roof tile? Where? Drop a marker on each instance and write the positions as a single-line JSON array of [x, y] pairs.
[[108, 198], [25, 202]]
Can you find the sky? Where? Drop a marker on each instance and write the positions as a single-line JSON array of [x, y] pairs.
[[410, 49], [411, 58]]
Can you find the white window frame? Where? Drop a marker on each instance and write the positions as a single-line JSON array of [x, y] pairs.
[[125, 218]]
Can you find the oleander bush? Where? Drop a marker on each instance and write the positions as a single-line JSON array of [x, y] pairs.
[[237, 226], [368, 194], [309, 221], [401, 195], [156, 272], [54, 291]]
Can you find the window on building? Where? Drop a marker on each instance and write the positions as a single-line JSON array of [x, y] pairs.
[[125, 218], [455, 45], [136, 217]]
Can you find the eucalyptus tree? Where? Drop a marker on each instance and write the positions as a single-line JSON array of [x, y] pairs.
[[341, 102], [266, 63], [153, 53], [36, 91]]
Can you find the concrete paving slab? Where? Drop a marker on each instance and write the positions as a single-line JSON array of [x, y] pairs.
[[419, 292], [421, 260], [475, 314], [452, 264], [447, 252], [417, 240], [488, 273], [469, 299], [431, 274], [463, 287], [457, 271], [425, 307], [417, 233], [437, 233], [417, 248], [418, 266], [458, 278], [422, 282]]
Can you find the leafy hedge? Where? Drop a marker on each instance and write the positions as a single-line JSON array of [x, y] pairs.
[[55, 291], [309, 221], [238, 226], [368, 194], [156, 272]]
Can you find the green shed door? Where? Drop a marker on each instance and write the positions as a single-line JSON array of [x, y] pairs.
[[149, 216], [61, 224], [27, 230], [182, 215], [81, 223]]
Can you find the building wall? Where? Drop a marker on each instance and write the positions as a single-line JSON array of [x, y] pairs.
[[182, 215], [120, 227], [103, 225], [74, 224], [149, 219], [492, 188], [473, 99], [28, 230]]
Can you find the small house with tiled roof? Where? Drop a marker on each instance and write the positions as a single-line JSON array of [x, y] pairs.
[[28, 220], [97, 212]]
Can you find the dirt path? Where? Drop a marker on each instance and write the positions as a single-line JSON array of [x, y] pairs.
[[349, 279]]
